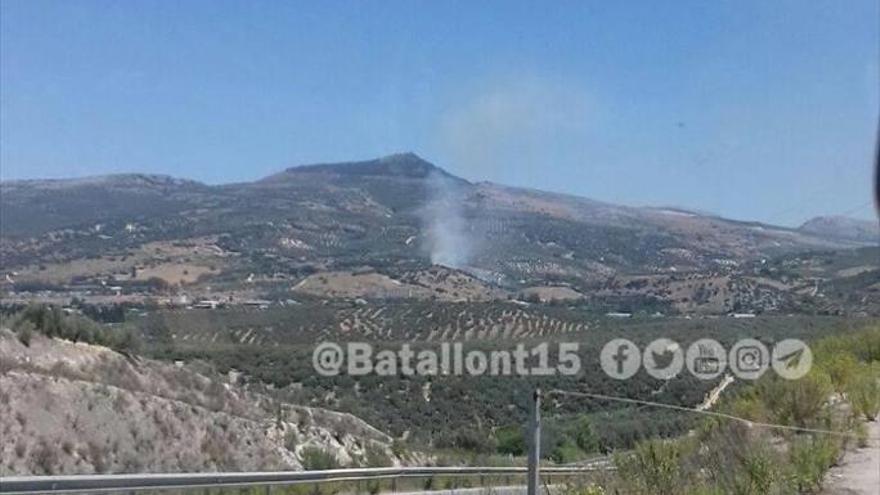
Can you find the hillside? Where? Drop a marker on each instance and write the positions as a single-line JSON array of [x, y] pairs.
[[77, 408], [372, 229], [246, 278], [837, 227]]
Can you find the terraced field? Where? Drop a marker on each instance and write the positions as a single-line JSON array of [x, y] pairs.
[[274, 347], [405, 321]]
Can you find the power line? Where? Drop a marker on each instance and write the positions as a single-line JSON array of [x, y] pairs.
[[747, 422]]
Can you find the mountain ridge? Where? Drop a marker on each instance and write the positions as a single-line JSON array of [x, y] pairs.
[[379, 228], [409, 165], [114, 179], [839, 226], [404, 164]]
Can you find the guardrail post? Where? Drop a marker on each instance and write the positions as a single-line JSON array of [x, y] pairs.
[[535, 443]]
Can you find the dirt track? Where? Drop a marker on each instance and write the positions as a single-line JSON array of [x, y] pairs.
[[859, 473]]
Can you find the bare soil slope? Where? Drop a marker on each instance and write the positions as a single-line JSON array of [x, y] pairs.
[[70, 408]]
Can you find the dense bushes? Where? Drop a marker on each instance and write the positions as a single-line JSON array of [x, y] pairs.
[[511, 440], [863, 392], [726, 458], [569, 439], [51, 321], [809, 457], [798, 402], [732, 457], [469, 439], [852, 363], [653, 467], [563, 439], [485, 414]]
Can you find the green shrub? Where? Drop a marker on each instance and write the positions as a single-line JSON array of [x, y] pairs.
[[757, 473], [469, 439], [51, 321], [866, 345], [809, 458], [317, 459], [566, 452], [732, 459], [863, 345], [510, 440], [398, 448], [797, 402], [654, 467], [748, 406], [841, 368], [585, 436], [863, 392]]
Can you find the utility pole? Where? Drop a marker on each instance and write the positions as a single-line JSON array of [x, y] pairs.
[[534, 443]]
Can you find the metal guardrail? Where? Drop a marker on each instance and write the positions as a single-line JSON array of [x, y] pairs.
[[133, 482]]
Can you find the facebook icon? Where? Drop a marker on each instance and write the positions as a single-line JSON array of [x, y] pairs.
[[620, 359]]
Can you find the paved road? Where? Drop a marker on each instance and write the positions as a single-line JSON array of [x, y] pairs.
[[859, 473]]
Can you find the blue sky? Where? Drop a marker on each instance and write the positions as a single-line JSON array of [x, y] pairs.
[[758, 110]]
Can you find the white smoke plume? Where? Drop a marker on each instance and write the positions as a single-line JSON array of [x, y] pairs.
[[448, 241], [510, 133]]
